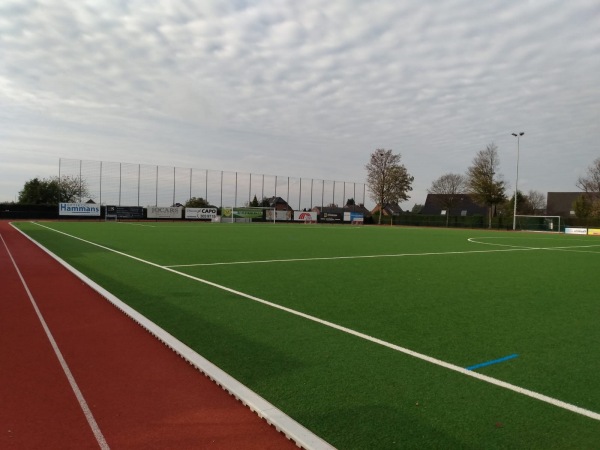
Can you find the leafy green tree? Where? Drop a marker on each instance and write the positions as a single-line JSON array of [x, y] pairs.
[[53, 190], [484, 183], [521, 204], [388, 180], [417, 208], [196, 202], [254, 203], [582, 207]]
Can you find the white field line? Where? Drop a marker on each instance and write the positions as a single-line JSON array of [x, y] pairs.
[[63, 363], [438, 362], [331, 258], [568, 249], [137, 224], [573, 248], [512, 248]]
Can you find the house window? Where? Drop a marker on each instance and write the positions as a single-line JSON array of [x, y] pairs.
[[443, 213]]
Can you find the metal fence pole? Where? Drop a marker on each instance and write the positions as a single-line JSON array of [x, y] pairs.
[[120, 182], [100, 182]]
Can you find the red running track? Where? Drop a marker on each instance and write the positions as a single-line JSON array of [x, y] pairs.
[[139, 393]]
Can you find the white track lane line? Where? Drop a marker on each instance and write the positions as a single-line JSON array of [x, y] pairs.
[[432, 360], [303, 437], [82, 403]]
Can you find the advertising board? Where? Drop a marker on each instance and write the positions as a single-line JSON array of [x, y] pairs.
[[79, 209], [164, 212], [125, 212], [305, 216], [243, 213], [201, 213], [332, 217], [594, 231], [279, 215], [350, 216], [573, 230]]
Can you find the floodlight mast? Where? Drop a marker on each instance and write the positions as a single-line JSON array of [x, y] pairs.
[[518, 136]]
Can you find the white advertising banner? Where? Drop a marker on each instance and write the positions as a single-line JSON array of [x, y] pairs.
[[353, 217], [79, 209], [279, 215], [201, 213], [164, 212], [576, 230], [305, 216]]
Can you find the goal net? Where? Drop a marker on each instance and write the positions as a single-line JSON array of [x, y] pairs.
[[110, 214], [550, 224], [245, 214]]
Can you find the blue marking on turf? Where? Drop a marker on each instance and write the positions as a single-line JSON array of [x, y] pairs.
[[494, 361]]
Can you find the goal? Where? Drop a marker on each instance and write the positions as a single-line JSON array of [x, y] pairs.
[[110, 214], [548, 224], [246, 214]]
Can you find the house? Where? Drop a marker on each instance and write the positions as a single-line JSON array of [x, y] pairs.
[[561, 203], [279, 204], [360, 208], [465, 206], [389, 209]]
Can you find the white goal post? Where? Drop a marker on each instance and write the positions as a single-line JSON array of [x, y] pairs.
[[548, 224]]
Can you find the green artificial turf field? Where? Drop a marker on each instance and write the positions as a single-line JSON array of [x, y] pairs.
[[363, 334]]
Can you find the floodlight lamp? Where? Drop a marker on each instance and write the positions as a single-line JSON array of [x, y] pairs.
[[521, 133], [514, 134]]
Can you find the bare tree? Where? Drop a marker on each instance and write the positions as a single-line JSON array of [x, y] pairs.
[[535, 202], [449, 189], [388, 180], [483, 181], [590, 183]]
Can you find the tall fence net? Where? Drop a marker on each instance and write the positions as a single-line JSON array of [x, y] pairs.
[[126, 184]]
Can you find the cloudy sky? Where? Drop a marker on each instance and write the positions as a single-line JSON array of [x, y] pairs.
[[301, 88]]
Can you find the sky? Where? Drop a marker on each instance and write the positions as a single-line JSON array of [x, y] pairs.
[[301, 88]]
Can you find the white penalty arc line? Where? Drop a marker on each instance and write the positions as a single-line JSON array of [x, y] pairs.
[[421, 356], [573, 248], [63, 363]]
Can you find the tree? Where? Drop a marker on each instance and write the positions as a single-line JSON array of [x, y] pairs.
[[535, 202], [590, 184], [196, 202], [582, 207], [53, 190], [388, 180], [416, 209], [449, 189], [254, 202], [509, 207], [485, 185]]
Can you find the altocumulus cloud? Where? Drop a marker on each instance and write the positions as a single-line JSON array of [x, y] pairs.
[[300, 88]]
